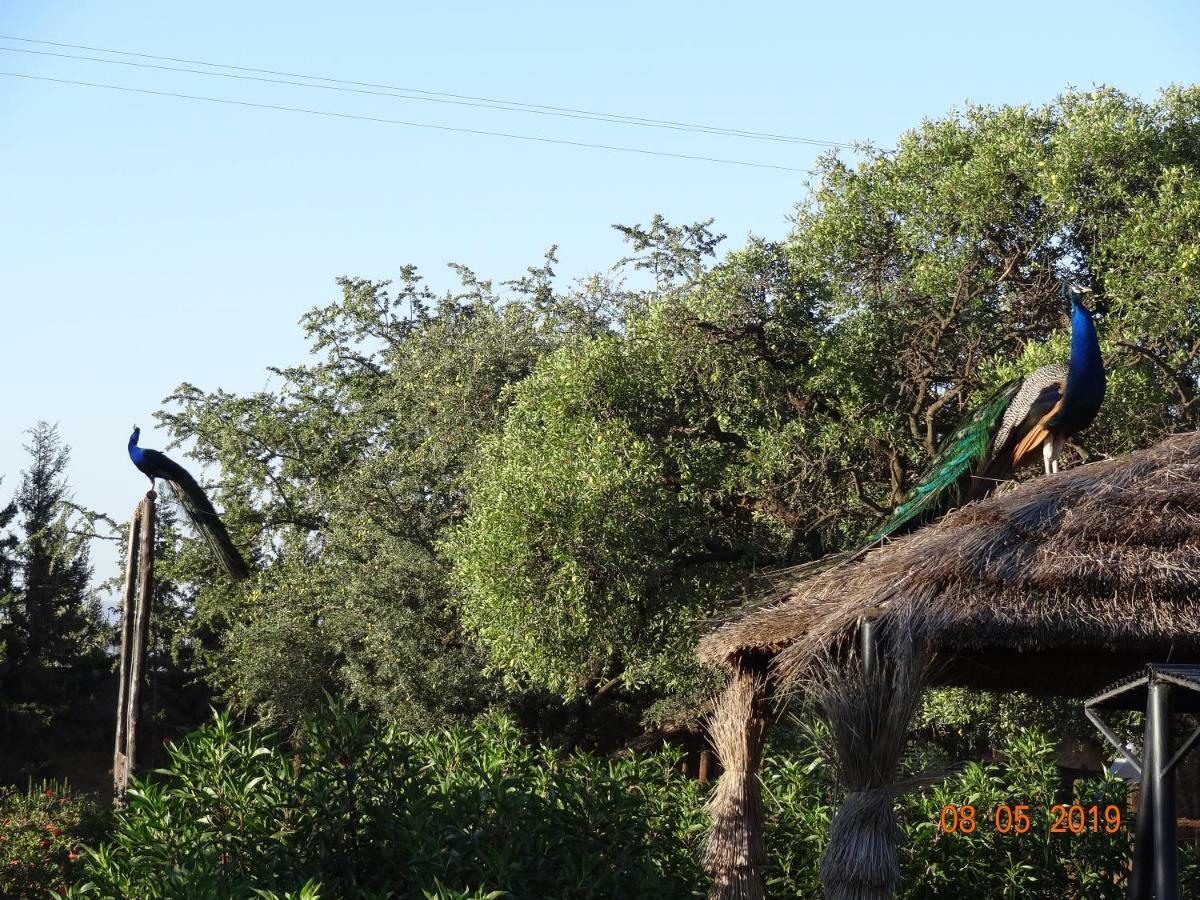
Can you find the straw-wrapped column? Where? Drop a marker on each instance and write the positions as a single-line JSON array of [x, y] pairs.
[[869, 708], [734, 853]]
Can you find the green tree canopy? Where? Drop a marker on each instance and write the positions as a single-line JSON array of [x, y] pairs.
[[53, 632], [774, 407], [345, 476], [530, 488]]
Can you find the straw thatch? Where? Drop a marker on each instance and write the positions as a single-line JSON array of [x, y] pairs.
[[734, 853], [1059, 585], [869, 708]]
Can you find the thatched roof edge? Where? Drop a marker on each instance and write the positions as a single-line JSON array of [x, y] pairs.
[[1099, 561]]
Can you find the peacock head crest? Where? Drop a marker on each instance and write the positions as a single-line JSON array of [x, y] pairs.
[[133, 438], [1076, 293]]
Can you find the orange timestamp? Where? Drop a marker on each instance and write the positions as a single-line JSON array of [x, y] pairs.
[[1016, 819]]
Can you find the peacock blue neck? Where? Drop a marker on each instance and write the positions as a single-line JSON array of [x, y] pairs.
[[1085, 373], [135, 452], [1085, 345]]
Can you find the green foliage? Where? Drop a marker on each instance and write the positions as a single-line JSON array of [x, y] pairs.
[[615, 506], [777, 405], [959, 723], [345, 810], [42, 830], [465, 813], [346, 475], [1037, 863], [8, 569], [801, 794], [561, 486], [582, 559], [51, 627]]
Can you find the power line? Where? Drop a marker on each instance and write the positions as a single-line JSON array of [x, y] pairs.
[[376, 119], [432, 96], [374, 93]]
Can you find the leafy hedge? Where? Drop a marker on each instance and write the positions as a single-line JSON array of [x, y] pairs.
[[42, 829], [348, 811], [371, 814]]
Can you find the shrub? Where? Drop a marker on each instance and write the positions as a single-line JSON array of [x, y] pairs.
[[348, 810], [988, 862], [469, 813], [42, 829]]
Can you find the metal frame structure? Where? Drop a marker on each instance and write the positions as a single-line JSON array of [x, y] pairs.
[[1162, 690]]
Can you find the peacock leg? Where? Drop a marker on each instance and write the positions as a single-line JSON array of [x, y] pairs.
[[1048, 457]]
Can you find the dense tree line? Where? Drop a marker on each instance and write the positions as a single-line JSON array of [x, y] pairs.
[[53, 639], [535, 495]]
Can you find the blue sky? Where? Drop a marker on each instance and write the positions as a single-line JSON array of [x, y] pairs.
[[146, 241]]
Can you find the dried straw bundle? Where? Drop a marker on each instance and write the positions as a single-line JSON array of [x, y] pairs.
[[868, 714], [733, 852]]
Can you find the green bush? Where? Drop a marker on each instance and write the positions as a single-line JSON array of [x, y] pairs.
[[988, 862], [42, 829], [350, 811], [366, 813]]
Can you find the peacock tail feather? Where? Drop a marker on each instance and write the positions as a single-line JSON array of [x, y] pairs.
[[948, 476], [203, 516]]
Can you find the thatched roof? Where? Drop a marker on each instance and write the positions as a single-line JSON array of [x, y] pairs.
[[1057, 585]]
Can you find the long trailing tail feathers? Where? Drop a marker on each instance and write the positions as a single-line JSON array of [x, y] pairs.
[[963, 469], [947, 480], [204, 518], [948, 477]]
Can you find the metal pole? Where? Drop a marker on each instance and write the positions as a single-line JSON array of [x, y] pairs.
[[1166, 853], [1141, 879], [866, 646]]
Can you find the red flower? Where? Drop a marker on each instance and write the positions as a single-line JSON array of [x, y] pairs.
[[53, 829], [49, 793]]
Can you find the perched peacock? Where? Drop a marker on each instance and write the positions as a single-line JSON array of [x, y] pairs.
[[1022, 419], [194, 501]]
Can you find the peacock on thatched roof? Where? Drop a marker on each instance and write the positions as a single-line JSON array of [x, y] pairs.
[[1055, 586]]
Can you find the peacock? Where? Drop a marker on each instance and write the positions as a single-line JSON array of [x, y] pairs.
[[194, 501], [1026, 417]]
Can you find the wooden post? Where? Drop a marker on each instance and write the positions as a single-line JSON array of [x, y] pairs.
[[141, 625], [135, 627], [128, 604]]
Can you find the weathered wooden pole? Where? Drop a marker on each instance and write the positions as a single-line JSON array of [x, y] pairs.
[[128, 603], [141, 624], [135, 622]]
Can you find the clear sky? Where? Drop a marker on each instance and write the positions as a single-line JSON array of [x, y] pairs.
[[145, 240]]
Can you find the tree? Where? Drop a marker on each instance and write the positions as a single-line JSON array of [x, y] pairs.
[[775, 407], [563, 487], [8, 567], [346, 476], [54, 635], [612, 509]]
